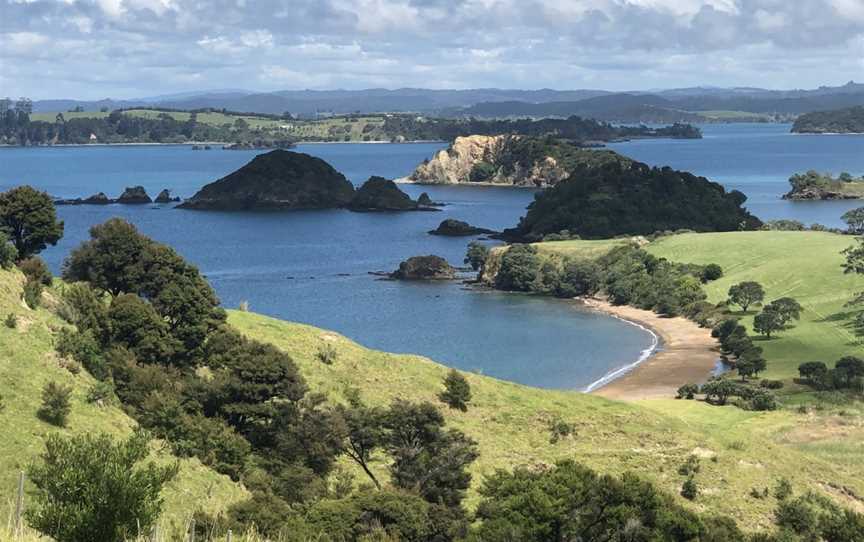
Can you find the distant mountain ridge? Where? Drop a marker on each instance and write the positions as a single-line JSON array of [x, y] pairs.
[[646, 106]]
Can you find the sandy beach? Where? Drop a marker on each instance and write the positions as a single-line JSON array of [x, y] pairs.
[[687, 353]]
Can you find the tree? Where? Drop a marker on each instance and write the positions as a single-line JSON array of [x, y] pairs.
[[768, 321], [688, 391], [457, 391], [854, 219], [364, 432], [580, 277], [814, 371], [746, 293], [119, 499], [8, 252], [712, 271], [787, 308], [134, 324], [55, 404], [29, 218], [520, 266], [718, 391], [476, 255], [426, 458], [110, 260], [851, 368]]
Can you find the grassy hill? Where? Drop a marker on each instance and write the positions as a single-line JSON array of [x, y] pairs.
[[27, 363]]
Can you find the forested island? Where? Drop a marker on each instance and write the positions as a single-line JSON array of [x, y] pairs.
[[837, 121], [823, 186]]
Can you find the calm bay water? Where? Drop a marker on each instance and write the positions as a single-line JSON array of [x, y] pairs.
[[312, 266]]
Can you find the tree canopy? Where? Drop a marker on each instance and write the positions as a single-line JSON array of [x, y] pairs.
[[28, 217]]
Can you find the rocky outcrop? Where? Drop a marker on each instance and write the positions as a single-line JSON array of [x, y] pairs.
[[134, 195], [510, 160], [821, 193], [457, 228], [276, 180], [424, 199], [96, 199], [380, 194], [424, 268], [165, 197]]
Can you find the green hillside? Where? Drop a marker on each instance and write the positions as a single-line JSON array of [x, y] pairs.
[[511, 424], [27, 363]]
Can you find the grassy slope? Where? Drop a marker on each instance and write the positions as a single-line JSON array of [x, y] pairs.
[[27, 362], [510, 423]]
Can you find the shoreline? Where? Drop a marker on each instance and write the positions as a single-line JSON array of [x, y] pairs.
[[682, 353], [218, 143]]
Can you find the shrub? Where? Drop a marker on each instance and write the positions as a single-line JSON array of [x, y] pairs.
[[690, 467], [8, 252], [771, 384], [33, 293], [763, 400], [84, 308], [688, 391], [457, 391], [579, 278], [101, 393], [813, 371], [11, 321], [689, 489], [520, 265], [327, 354], [55, 404], [35, 268], [712, 271], [120, 499], [783, 490], [2, 404], [560, 429], [83, 348]]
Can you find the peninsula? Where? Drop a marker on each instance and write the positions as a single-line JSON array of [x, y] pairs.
[[837, 121], [823, 186]]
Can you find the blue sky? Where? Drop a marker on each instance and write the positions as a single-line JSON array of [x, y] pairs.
[[131, 48]]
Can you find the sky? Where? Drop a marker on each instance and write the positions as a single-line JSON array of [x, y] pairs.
[[91, 49]]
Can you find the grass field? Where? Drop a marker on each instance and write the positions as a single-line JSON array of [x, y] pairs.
[[738, 116], [27, 363]]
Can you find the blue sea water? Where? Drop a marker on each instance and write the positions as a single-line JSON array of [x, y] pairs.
[[313, 266]]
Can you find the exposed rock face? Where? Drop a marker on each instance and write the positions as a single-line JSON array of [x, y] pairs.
[[819, 193], [380, 194], [424, 199], [276, 180], [457, 228], [134, 194], [165, 197], [502, 159], [424, 268]]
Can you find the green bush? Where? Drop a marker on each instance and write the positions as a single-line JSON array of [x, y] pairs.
[[688, 391], [35, 268], [83, 348], [101, 393], [55, 404], [712, 271], [327, 354], [560, 429], [33, 293], [120, 499], [457, 391], [771, 384], [8, 252], [11, 321], [520, 267], [689, 489], [481, 172]]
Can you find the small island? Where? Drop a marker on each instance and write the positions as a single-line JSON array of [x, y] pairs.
[[277, 180], [508, 160], [424, 268], [823, 186], [837, 121], [132, 195], [458, 228], [380, 194]]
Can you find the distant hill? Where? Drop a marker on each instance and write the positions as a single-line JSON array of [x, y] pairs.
[[839, 121]]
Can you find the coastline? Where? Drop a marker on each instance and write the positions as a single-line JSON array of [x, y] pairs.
[[682, 352]]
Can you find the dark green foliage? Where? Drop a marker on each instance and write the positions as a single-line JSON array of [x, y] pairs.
[[8, 252], [689, 489], [815, 517], [750, 363], [688, 391], [327, 354], [101, 393], [690, 467], [784, 224], [712, 271], [120, 499], [86, 310], [560, 429], [771, 384], [783, 489], [457, 391], [83, 348], [854, 220], [520, 266], [33, 293], [579, 278], [571, 502], [28, 217], [619, 198], [11, 321], [482, 172], [848, 120], [768, 321], [111, 260], [270, 515], [718, 391], [762, 400], [56, 404], [746, 293], [35, 269], [364, 432], [787, 308], [428, 459], [133, 323], [476, 255]]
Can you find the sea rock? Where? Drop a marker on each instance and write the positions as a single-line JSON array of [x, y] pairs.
[[165, 197], [380, 194], [457, 228], [95, 199], [276, 180], [134, 194], [424, 199], [424, 268]]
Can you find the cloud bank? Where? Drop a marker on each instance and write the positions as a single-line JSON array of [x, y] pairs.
[[133, 48]]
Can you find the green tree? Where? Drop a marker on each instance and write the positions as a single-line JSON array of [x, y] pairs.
[[457, 391], [35, 269], [55, 404], [688, 391], [854, 219], [134, 324], [712, 271], [91, 489], [718, 391], [579, 278], [788, 309], [520, 266], [814, 371], [29, 218], [8, 252], [364, 432], [850, 367], [110, 260], [746, 293], [476, 255], [768, 321]]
